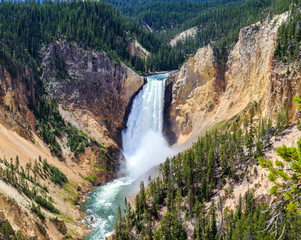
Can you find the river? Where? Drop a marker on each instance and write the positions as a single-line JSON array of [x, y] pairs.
[[144, 146]]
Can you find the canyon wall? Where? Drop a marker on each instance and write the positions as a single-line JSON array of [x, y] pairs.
[[94, 92], [19, 140], [16, 88], [208, 91]]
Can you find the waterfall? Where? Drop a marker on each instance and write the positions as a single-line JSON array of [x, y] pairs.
[[144, 146]]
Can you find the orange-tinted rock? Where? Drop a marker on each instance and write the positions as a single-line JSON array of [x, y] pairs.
[[205, 92], [16, 88]]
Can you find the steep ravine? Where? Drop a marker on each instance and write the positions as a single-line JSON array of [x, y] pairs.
[[94, 94], [206, 92]]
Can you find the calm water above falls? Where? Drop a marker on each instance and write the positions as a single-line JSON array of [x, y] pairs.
[[143, 147]]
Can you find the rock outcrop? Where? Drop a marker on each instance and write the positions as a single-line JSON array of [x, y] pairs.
[[196, 88], [89, 85], [205, 92], [16, 88], [191, 32], [137, 50]]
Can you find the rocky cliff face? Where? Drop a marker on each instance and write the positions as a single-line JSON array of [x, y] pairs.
[[196, 88], [90, 87], [94, 94], [16, 87], [205, 92]]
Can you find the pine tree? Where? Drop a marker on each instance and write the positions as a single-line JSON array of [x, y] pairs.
[[287, 191], [190, 201], [299, 125], [170, 228], [142, 198], [178, 203], [213, 226]]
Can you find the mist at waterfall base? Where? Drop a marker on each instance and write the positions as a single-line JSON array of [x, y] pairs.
[[144, 146]]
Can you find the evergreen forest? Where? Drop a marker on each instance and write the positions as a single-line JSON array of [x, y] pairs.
[[26, 26], [179, 201], [181, 197]]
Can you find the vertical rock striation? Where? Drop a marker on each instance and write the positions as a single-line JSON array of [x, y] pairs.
[[94, 87], [193, 90], [205, 92], [16, 90]]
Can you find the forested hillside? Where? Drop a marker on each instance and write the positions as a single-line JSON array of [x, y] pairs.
[[179, 15], [178, 204], [187, 200], [27, 26], [217, 21], [289, 36], [76, 50]]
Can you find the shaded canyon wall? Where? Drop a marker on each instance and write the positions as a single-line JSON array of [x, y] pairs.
[[95, 93]]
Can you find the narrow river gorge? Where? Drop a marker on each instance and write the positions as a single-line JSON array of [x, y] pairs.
[[144, 147]]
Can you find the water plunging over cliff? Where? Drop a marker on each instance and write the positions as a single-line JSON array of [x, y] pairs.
[[143, 143], [144, 146]]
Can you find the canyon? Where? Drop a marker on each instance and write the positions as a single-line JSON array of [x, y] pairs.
[[95, 94]]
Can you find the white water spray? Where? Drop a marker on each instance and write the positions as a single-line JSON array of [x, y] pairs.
[[144, 145]]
